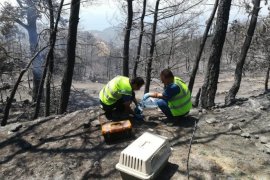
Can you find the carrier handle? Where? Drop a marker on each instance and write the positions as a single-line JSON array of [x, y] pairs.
[[116, 123]]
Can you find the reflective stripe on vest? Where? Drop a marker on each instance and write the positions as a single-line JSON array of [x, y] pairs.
[[114, 90], [106, 95], [181, 103], [179, 96], [114, 94]]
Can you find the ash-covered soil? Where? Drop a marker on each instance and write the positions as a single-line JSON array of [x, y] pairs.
[[229, 143], [232, 142]]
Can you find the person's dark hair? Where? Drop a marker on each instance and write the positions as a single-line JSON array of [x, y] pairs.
[[138, 81], [167, 73]]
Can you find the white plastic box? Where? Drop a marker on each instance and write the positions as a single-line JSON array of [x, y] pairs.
[[145, 157]]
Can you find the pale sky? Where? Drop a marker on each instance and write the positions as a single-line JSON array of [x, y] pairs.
[[99, 16], [105, 13], [96, 16]]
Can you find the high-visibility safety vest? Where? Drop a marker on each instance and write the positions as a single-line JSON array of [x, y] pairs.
[[180, 104], [115, 89]]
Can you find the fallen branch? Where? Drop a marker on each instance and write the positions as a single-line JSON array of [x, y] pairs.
[[197, 98], [190, 143], [13, 92]]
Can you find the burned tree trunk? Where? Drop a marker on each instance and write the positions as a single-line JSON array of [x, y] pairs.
[[71, 54], [230, 97], [140, 41], [37, 63], [202, 44], [197, 98], [209, 87], [152, 48], [31, 27], [51, 58], [267, 76], [49, 61], [127, 39]]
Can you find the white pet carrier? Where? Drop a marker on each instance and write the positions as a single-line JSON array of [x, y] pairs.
[[145, 157]]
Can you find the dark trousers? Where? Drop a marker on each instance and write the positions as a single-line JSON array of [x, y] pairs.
[[118, 106], [164, 107]]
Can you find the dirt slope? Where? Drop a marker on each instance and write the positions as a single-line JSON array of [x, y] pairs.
[[71, 146], [230, 143]]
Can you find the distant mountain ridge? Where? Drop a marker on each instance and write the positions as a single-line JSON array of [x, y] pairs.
[[111, 34]]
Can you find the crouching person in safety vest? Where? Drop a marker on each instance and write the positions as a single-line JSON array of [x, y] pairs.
[[118, 95], [175, 101]]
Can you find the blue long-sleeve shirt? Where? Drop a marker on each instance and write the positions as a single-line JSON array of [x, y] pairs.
[[170, 91]]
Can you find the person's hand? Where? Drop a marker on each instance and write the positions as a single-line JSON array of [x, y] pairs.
[[146, 96]]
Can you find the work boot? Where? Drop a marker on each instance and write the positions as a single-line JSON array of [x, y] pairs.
[[169, 121]]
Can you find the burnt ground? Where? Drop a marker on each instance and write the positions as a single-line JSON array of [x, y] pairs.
[[230, 143], [72, 147]]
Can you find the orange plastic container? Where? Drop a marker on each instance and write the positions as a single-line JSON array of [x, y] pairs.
[[116, 130]]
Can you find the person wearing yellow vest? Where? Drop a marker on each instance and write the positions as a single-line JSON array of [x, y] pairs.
[[175, 101], [118, 94]]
